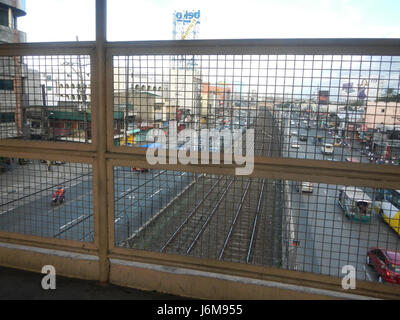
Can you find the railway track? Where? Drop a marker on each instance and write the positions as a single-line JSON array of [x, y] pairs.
[[231, 218], [188, 233]]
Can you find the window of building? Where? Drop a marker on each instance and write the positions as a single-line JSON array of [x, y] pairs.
[[81, 125], [14, 19], [6, 85], [7, 117], [68, 125], [4, 17], [35, 125]]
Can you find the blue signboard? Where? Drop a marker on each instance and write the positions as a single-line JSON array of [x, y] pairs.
[[187, 16]]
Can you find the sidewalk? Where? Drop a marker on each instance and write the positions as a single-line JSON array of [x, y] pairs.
[[23, 285]]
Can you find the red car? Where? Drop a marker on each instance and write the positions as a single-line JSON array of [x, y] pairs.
[[386, 263], [140, 169]]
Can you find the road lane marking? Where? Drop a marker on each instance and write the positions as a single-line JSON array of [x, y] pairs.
[[155, 193], [367, 274], [71, 222], [7, 210]]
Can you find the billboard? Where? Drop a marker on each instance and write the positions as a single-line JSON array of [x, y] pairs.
[[186, 16], [182, 20], [323, 97]]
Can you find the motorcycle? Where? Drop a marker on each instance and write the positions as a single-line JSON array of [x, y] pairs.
[[58, 197]]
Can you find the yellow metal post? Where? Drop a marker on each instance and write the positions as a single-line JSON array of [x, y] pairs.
[[101, 143]]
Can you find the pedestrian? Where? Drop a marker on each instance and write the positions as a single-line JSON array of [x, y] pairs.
[[48, 162]]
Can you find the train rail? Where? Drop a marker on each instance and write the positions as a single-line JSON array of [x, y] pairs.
[[234, 219]]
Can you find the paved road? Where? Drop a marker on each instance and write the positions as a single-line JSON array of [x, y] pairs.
[[137, 202], [138, 196], [328, 240]]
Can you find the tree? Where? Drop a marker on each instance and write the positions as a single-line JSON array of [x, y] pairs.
[[391, 96]]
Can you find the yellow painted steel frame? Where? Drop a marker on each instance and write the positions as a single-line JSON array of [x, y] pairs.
[[181, 275]]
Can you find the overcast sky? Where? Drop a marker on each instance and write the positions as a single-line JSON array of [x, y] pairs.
[[63, 20]]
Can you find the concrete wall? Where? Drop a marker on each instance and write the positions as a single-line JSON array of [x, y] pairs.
[[380, 112]]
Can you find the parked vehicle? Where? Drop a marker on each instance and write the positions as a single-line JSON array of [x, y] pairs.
[[303, 137], [386, 263], [356, 204], [295, 145], [317, 140], [387, 205], [337, 141], [304, 186], [327, 148]]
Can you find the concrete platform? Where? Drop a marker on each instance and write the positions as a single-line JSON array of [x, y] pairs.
[[23, 285]]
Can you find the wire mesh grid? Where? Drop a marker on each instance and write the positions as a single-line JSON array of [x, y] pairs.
[[32, 203], [45, 98], [296, 225], [328, 227], [328, 107], [337, 108]]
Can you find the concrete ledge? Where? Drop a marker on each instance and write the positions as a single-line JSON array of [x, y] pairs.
[[68, 264], [206, 285]]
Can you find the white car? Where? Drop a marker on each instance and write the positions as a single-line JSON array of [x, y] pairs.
[[294, 133], [304, 186], [327, 148], [295, 145]]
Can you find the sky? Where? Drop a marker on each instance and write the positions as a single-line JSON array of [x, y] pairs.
[[133, 20]]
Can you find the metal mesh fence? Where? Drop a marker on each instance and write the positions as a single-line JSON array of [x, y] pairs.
[[338, 108], [326, 107], [31, 203], [45, 98], [320, 107], [304, 226]]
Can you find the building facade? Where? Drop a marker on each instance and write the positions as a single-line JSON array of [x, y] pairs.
[[12, 97]]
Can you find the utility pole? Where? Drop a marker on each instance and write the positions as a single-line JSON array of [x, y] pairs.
[[45, 115], [18, 95], [83, 96], [126, 102]]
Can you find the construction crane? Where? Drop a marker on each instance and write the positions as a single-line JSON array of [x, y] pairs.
[[189, 28], [181, 60]]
